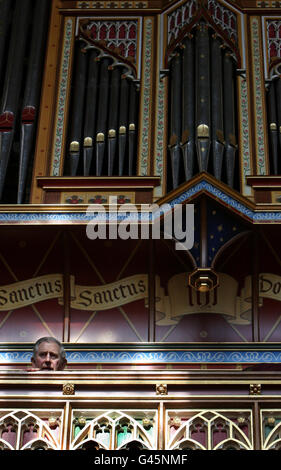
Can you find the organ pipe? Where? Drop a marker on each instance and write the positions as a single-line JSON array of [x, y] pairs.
[[102, 113], [132, 126], [113, 116], [278, 101], [202, 96], [32, 91], [217, 107], [273, 125], [188, 103], [90, 110], [5, 17], [77, 109], [175, 118], [229, 118], [123, 122], [12, 83]]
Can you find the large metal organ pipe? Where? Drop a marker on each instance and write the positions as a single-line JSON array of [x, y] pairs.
[[22, 45], [90, 115], [5, 19], [202, 107], [188, 102], [104, 105], [229, 118], [175, 117], [217, 107], [123, 122], [12, 83], [273, 126], [274, 120], [77, 107], [133, 119], [203, 99], [32, 92], [113, 117]]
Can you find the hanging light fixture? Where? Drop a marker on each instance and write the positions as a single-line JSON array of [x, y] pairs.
[[203, 279]]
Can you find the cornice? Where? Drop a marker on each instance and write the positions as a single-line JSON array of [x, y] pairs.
[[107, 7], [203, 183]]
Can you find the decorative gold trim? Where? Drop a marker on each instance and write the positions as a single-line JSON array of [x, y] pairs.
[[255, 389], [161, 389], [122, 130], [100, 137], [112, 133], [88, 142], [68, 389], [74, 146], [203, 131], [124, 400]]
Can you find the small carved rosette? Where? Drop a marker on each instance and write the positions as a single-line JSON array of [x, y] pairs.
[[68, 389]]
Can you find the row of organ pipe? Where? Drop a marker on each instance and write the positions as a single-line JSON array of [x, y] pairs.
[[103, 115], [202, 107], [274, 118], [24, 25]]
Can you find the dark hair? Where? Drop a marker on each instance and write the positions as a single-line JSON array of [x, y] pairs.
[[48, 339]]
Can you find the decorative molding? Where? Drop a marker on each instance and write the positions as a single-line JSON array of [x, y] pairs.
[[121, 35], [246, 164], [255, 389], [61, 216], [160, 137], [225, 18], [112, 5], [68, 389], [146, 98], [62, 97], [268, 4], [172, 356], [161, 389], [258, 96], [180, 17]]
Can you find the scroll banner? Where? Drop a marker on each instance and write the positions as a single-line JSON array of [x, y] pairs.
[[171, 304]]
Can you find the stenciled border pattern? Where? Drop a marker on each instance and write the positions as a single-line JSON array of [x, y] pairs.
[[154, 357], [159, 138], [83, 217], [146, 98], [62, 94], [245, 138], [257, 79]]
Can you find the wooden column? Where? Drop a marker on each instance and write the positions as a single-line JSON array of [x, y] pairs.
[[256, 427], [255, 287], [66, 287], [151, 290]]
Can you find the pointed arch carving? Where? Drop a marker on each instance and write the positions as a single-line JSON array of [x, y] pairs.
[[186, 30]]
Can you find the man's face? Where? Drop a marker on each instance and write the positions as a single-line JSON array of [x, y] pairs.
[[48, 357]]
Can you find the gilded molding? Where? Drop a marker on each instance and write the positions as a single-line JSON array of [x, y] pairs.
[[159, 152], [260, 122], [161, 389], [68, 389], [246, 164], [62, 98], [112, 5], [255, 389], [143, 165]]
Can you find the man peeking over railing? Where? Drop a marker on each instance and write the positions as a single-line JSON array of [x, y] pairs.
[[48, 355]]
